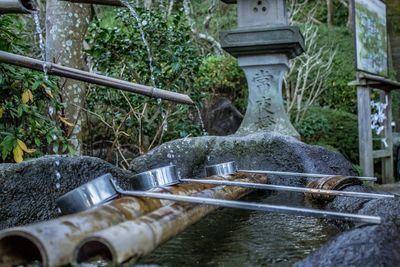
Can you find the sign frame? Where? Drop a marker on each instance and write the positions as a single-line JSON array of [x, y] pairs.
[[358, 67]]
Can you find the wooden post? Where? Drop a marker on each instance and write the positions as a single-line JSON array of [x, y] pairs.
[[364, 130], [387, 162], [364, 83]]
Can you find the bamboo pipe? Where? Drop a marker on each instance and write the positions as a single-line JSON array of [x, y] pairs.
[[53, 242], [128, 241], [17, 6], [98, 2], [66, 72]]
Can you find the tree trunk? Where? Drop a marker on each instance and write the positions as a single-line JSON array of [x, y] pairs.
[[330, 9], [350, 20], [394, 35], [66, 25], [147, 4]]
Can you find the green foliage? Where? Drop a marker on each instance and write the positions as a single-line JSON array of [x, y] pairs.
[[119, 51], [332, 129], [319, 10], [221, 75], [339, 94], [25, 98], [225, 17]]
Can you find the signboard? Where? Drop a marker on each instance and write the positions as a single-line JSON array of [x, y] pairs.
[[371, 37]]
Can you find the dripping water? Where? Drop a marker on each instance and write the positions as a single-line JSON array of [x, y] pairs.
[[140, 24], [203, 128], [58, 175], [39, 33], [51, 110]]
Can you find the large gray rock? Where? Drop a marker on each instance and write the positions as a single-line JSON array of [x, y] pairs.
[[28, 190], [368, 245], [221, 117], [268, 151], [363, 245]]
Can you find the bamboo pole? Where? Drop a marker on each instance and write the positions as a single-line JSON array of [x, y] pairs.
[[98, 2], [93, 78], [53, 242], [17, 6], [126, 242]]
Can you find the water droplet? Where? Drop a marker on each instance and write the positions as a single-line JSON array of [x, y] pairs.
[[39, 33], [58, 185], [58, 175], [51, 111]]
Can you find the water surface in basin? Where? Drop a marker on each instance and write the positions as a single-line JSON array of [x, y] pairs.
[[245, 238]]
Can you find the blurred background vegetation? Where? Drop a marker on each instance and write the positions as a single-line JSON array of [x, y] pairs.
[[119, 126]]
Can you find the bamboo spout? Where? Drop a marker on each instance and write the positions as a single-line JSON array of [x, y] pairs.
[[52, 243], [17, 6], [126, 242], [58, 70]]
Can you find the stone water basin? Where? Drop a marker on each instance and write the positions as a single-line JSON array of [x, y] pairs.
[[245, 238]]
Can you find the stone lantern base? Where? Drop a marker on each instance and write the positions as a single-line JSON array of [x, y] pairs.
[[263, 54]]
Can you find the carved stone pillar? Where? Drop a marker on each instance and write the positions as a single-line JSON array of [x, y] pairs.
[[263, 44]]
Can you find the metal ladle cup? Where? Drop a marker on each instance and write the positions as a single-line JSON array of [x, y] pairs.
[[89, 195], [230, 167], [164, 176], [100, 190]]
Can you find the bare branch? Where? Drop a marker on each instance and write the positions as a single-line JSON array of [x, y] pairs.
[[306, 78], [170, 7], [203, 36]]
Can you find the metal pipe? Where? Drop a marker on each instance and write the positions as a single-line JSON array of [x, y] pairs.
[[93, 78], [289, 188], [98, 2], [312, 175], [254, 206], [17, 6]]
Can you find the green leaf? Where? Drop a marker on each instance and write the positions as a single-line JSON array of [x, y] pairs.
[[7, 145], [36, 85]]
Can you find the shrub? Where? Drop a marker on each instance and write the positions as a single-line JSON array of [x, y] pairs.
[[118, 50], [332, 129], [25, 127], [339, 95], [221, 75]]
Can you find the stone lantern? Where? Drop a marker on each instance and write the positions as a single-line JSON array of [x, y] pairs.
[[263, 43]]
